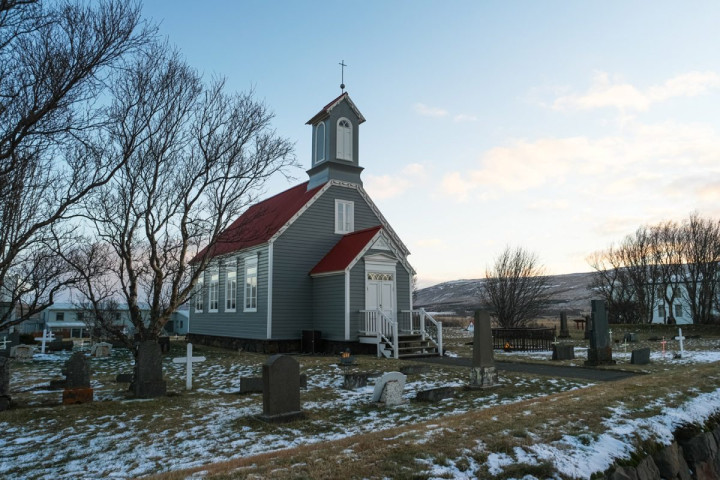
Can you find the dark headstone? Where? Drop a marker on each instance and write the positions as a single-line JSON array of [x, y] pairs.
[[281, 389], [148, 379], [563, 351], [435, 394], [641, 356], [482, 372], [77, 380], [564, 331], [588, 326], [124, 378], [352, 381], [164, 343], [57, 384], [415, 369], [630, 338], [4, 383], [600, 351]]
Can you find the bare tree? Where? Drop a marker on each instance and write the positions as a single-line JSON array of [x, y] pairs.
[[701, 255], [193, 157], [516, 287], [54, 60], [666, 240], [611, 282]]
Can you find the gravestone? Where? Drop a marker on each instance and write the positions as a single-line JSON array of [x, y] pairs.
[[630, 338], [77, 380], [564, 331], [435, 394], [4, 384], [148, 380], [22, 352], [588, 325], [389, 389], [281, 390], [563, 351], [188, 360], [600, 351], [482, 372], [9, 341], [101, 350], [641, 356], [164, 343], [255, 384]]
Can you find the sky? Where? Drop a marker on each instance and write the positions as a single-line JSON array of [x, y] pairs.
[[558, 127]]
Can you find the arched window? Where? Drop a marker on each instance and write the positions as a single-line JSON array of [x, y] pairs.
[[344, 139], [320, 142]]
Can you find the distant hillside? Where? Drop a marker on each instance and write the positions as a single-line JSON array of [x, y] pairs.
[[571, 294]]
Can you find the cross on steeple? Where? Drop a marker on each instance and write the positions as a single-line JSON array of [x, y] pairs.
[[342, 75]]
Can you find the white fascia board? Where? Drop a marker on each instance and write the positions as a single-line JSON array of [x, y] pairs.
[[327, 274], [383, 221]]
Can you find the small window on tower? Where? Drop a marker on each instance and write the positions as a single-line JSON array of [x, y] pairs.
[[320, 143], [344, 139]]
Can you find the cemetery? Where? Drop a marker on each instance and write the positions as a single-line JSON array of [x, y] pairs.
[[215, 412]]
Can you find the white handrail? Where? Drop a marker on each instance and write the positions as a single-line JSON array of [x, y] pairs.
[[377, 323]]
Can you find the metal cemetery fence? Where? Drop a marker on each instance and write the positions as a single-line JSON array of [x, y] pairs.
[[523, 339]]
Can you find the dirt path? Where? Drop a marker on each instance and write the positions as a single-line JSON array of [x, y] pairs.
[[593, 374]]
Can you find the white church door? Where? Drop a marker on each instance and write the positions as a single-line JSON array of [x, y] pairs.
[[380, 295]]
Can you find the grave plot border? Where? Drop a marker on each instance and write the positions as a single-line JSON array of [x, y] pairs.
[[523, 339]]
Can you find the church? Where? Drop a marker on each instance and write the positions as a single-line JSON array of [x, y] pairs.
[[316, 268]]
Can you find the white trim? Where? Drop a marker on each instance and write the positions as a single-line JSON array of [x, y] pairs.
[[270, 251], [341, 135], [317, 159], [382, 264], [347, 305]]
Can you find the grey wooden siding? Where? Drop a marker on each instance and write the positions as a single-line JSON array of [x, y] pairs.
[[329, 306], [299, 249], [402, 287], [357, 299], [239, 324]]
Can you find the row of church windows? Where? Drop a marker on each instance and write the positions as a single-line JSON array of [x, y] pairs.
[[344, 144], [250, 291], [678, 311]]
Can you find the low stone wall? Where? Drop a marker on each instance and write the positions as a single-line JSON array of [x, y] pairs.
[[693, 455]]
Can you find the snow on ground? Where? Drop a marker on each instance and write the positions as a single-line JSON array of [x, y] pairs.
[[128, 442]]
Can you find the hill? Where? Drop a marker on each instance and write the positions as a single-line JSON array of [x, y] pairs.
[[571, 294]]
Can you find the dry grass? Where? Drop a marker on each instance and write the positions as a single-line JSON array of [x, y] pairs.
[[394, 453]]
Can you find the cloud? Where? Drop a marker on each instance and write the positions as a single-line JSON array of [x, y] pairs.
[[462, 117], [388, 186], [427, 111], [549, 204], [607, 92]]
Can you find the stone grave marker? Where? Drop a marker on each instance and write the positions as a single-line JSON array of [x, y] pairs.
[[435, 394], [101, 350], [4, 383], [680, 339], [77, 380], [630, 338], [255, 384], [281, 390], [483, 373], [148, 380], [563, 351], [188, 360], [588, 326], [600, 351], [9, 341], [389, 389], [641, 356], [47, 337], [22, 352], [564, 331]]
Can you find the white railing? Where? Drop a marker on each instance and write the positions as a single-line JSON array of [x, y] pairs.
[[377, 323], [422, 322]]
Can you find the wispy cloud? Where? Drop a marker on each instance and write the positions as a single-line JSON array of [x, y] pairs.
[[614, 92], [388, 186], [462, 117], [427, 111]]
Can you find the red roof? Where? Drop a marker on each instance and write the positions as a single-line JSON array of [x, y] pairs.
[[261, 221], [345, 251]]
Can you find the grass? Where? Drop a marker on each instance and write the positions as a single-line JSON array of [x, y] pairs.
[[356, 439]]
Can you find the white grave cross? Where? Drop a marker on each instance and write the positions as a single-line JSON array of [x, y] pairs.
[[680, 338], [47, 336], [4, 343], [188, 361]]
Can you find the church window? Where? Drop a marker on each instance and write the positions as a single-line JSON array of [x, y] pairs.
[[661, 311], [251, 276], [344, 139], [199, 300], [344, 216], [213, 293], [230, 291], [678, 310], [320, 142]]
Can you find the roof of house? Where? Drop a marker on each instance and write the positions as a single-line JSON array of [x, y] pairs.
[[345, 251], [325, 112], [261, 221]]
